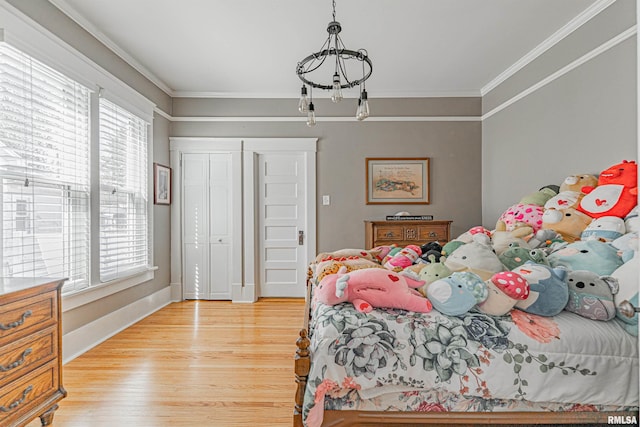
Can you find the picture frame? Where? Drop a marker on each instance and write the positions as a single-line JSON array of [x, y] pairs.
[[161, 184], [397, 181]]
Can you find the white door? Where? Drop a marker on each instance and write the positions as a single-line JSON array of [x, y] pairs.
[[207, 225], [282, 224]]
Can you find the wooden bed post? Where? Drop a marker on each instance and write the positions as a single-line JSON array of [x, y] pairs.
[[302, 366]]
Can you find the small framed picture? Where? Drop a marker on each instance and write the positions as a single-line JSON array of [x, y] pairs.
[[398, 181], [161, 184]]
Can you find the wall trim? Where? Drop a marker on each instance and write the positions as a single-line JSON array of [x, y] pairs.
[[564, 70], [547, 44], [323, 119], [86, 337]]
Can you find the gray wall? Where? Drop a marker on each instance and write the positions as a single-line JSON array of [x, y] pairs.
[[582, 122], [52, 19], [452, 146]]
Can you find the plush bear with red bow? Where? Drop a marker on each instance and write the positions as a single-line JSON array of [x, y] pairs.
[[616, 193]]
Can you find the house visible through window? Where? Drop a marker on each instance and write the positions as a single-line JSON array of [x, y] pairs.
[[45, 171], [123, 192]]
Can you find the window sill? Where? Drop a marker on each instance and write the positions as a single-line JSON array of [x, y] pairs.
[[94, 293]]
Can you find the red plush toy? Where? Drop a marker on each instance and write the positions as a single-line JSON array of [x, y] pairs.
[[616, 193]]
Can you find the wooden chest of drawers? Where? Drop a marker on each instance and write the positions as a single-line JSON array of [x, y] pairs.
[[403, 233], [30, 350]]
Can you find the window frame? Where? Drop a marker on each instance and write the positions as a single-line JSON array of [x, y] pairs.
[[31, 38]]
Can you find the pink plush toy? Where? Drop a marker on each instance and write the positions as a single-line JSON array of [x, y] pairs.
[[370, 288], [404, 258], [521, 215]]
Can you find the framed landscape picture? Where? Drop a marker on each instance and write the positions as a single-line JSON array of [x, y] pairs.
[[397, 181], [161, 184]]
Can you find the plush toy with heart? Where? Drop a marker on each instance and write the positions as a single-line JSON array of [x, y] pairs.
[[372, 287], [616, 193], [569, 223]]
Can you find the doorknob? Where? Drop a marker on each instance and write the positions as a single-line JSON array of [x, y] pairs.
[[301, 237]]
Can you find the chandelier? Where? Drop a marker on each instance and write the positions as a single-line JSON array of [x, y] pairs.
[[339, 58]]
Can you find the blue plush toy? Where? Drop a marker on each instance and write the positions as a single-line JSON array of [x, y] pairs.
[[592, 255], [548, 290], [458, 293], [605, 229]]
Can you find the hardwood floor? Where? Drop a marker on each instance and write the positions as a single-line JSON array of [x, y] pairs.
[[193, 363]]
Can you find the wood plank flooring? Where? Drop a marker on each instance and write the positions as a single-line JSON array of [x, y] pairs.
[[192, 363]]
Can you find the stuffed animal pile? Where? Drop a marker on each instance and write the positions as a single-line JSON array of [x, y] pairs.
[[571, 247]]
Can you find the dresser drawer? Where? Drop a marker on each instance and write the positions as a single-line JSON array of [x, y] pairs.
[[25, 316], [432, 233], [389, 233], [19, 357], [26, 393]]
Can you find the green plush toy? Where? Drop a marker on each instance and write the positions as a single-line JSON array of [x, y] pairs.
[[539, 197], [433, 271], [517, 255], [451, 246]]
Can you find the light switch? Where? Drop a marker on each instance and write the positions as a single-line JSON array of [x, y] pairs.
[[326, 200]]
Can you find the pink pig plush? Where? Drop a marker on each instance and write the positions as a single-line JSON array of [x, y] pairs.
[[372, 287]]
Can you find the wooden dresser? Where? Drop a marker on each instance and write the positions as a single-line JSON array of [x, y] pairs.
[[403, 233], [30, 350]]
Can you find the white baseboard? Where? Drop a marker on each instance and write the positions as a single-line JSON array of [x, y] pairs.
[[90, 335], [246, 293], [176, 291]]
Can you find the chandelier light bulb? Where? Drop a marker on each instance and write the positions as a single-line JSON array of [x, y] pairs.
[[363, 106], [303, 104], [336, 95], [311, 115]]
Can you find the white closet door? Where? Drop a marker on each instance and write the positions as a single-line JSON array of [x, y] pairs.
[[195, 191], [221, 226], [207, 225], [282, 217]]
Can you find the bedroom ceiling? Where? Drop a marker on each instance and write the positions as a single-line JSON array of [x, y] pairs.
[[249, 48]]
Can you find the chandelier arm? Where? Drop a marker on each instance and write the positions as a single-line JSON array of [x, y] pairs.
[[327, 52]]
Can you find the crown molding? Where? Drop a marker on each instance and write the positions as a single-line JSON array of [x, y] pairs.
[[95, 32], [324, 95], [630, 32], [547, 44]]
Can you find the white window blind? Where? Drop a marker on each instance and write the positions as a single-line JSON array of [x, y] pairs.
[[124, 240], [44, 169]]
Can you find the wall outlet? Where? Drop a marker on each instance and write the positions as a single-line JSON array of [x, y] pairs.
[[326, 200]]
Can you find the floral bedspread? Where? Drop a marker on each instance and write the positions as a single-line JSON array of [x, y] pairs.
[[471, 362]]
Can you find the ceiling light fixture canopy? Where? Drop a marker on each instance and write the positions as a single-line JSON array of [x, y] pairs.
[[339, 57]]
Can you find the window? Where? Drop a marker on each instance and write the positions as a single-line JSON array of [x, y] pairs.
[[49, 201], [44, 168], [124, 241]]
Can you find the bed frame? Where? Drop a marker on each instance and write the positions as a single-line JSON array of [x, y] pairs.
[[302, 365]]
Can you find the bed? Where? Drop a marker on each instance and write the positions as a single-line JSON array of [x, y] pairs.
[[397, 367]]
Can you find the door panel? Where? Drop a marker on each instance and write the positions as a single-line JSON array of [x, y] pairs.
[[207, 225], [282, 217]]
